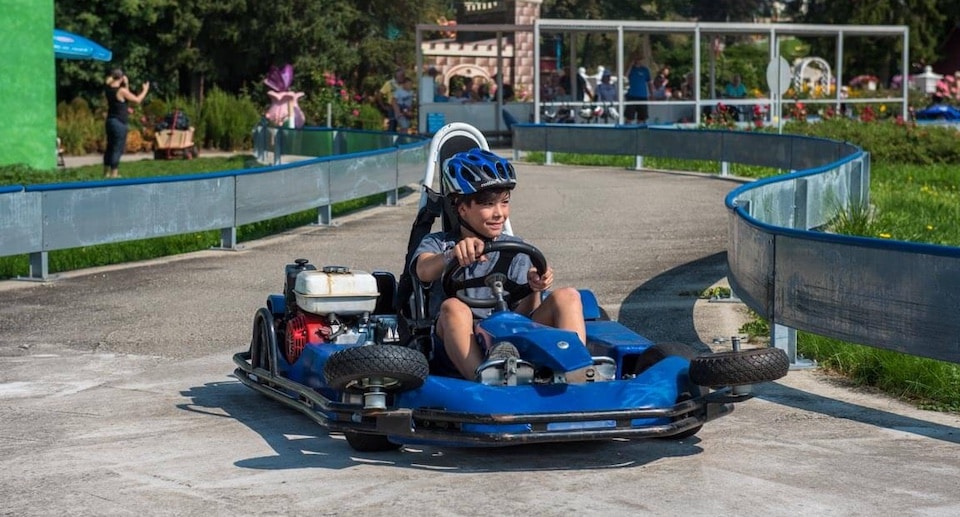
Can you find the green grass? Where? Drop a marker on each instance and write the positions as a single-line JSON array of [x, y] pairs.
[[122, 252], [20, 175], [931, 384]]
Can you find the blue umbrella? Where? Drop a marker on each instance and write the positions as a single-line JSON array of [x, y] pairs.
[[70, 46]]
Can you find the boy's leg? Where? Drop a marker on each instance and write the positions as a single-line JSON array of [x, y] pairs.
[[563, 310], [455, 328]]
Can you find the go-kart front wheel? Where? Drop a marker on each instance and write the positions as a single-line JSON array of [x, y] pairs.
[[389, 367], [739, 367]]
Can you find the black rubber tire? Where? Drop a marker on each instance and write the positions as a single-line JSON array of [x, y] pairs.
[[264, 337], [401, 368], [363, 442], [751, 366], [661, 351]]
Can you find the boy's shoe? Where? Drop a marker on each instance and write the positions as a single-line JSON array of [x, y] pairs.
[[502, 350]]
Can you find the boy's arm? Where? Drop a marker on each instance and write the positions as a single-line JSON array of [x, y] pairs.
[[429, 266]]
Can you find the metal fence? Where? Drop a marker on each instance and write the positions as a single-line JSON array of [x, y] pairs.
[[887, 294], [37, 219]]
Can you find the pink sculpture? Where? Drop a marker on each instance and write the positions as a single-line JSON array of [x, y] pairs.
[[283, 101]]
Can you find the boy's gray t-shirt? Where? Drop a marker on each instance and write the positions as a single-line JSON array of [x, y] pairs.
[[440, 242]]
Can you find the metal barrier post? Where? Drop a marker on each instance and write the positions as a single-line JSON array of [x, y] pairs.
[[638, 163], [228, 239], [324, 215], [39, 266], [278, 148], [785, 338], [394, 195]]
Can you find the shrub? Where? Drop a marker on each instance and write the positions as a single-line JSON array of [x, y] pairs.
[[225, 122], [80, 131], [370, 118], [888, 140], [345, 105]]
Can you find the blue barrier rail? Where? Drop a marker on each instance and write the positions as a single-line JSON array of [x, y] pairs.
[[37, 219], [886, 294]]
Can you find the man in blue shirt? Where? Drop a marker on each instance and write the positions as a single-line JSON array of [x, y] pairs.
[[639, 90]]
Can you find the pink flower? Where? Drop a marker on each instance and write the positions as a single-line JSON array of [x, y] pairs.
[[356, 113]]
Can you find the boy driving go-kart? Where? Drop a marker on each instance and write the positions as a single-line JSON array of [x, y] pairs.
[[479, 184], [465, 350]]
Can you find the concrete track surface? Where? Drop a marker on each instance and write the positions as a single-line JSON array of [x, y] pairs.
[[117, 395]]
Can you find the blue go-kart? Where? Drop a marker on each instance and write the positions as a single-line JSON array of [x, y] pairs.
[[350, 349]]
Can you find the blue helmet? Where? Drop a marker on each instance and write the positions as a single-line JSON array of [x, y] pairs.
[[475, 170]]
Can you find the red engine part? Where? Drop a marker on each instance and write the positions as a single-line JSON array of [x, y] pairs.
[[304, 328]]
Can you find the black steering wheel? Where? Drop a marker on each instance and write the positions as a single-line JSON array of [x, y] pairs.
[[455, 284]]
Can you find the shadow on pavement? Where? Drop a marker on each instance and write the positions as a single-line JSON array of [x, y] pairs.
[[806, 401], [661, 309], [299, 442]]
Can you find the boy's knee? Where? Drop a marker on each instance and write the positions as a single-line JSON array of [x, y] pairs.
[[566, 297], [454, 308]]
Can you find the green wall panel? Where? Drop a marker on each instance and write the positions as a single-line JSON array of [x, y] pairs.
[[28, 131]]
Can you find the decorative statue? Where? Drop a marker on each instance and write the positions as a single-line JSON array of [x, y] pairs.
[[283, 101]]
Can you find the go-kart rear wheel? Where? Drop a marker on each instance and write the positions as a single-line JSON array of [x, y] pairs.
[[395, 368], [263, 340], [363, 442], [739, 368], [661, 351]]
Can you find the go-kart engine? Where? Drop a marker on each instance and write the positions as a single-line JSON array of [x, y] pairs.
[[303, 328]]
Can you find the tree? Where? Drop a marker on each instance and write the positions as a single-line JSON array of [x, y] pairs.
[[872, 55], [187, 46]]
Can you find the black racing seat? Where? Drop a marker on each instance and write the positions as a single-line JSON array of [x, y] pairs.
[[412, 301]]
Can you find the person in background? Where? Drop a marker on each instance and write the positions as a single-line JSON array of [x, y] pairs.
[[483, 92], [638, 90], [117, 90], [441, 95], [661, 83], [508, 93], [403, 105], [583, 90], [686, 87], [468, 93], [735, 88], [385, 98], [606, 91]]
